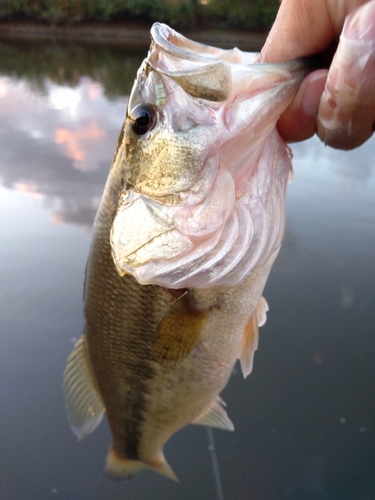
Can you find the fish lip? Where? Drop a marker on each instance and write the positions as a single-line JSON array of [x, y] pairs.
[[208, 77], [161, 34], [183, 48]]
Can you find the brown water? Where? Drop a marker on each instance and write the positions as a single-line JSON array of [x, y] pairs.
[[305, 418]]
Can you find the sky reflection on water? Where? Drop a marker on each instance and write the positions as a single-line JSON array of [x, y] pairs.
[[59, 146], [304, 419]]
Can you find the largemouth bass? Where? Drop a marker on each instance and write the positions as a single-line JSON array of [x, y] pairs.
[[190, 223]]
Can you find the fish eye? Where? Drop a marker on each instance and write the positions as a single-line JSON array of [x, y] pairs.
[[143, 117]]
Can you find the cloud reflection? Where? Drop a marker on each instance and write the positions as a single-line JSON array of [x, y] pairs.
[[78, 143], [64, 98], [3, 88], [29, 189], [59, 146]]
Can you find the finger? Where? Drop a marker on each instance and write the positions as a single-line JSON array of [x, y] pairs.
[[347, 110], [305, 27], [355, 130], [298, 122], [302, 28]]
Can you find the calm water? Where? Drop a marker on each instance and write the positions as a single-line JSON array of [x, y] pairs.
[[305, 418]]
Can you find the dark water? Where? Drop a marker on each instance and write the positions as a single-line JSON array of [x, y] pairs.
[[305, 418]]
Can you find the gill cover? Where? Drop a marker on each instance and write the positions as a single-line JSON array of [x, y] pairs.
[[205, 170]]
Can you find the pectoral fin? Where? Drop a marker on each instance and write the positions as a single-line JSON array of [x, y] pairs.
[[83, 403], [214, 415], [250, 338], [261, 311], [179, 330]]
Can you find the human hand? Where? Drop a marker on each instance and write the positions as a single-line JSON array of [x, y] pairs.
[[340, 108]]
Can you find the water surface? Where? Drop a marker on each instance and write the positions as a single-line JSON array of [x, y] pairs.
[[305, 418]]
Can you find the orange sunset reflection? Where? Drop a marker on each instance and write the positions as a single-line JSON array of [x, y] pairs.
[[29, 189], [77, 142]]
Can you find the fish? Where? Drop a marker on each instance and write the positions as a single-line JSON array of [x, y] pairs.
[[190, 222]]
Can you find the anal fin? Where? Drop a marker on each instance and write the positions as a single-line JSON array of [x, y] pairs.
[[214, 415], [84, 406], [250, 338]]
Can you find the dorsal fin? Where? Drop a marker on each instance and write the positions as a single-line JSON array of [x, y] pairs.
[[179, 330], [84, 406]]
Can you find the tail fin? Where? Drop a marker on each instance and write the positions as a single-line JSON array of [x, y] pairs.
[[122, 468]]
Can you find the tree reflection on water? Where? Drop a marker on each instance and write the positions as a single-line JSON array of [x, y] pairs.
[[66, 63]]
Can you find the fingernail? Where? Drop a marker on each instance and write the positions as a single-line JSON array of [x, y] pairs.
[[313, 93]]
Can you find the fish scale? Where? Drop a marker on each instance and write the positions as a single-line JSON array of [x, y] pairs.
[[104, 329]]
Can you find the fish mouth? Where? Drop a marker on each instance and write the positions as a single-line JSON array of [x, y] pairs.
[[203, 76], [210, 210]]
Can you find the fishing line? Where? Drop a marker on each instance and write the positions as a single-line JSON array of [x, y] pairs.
[[214, 464]]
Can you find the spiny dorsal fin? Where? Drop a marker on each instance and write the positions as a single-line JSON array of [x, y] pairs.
[[179, 330], [214, 415], [83, 402], [250, 338]]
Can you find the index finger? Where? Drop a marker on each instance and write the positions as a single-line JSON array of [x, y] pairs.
[[304, 28]]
